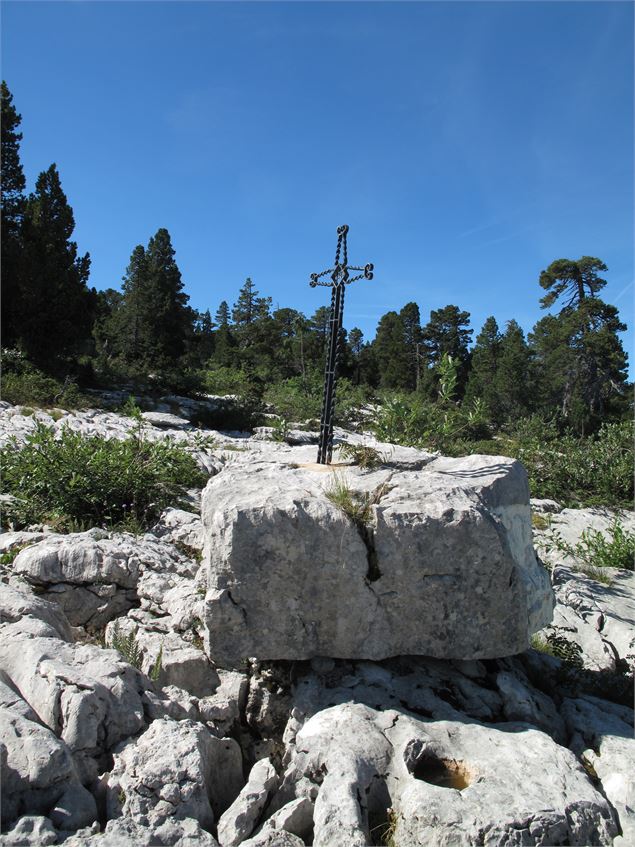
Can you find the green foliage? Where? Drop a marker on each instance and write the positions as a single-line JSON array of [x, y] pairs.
[[28, 385], [78, 480], [223, 380], [357, 505], [280, 429], [595, 550], [126, 646], [581, 471], [296, 399], [560, 647], [365, 457], [157, 666], [54, 309], [416, 422]]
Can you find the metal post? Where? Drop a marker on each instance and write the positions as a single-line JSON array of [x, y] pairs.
[[339, 279]]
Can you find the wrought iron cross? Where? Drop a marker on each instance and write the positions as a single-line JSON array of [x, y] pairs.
[[338, 280]]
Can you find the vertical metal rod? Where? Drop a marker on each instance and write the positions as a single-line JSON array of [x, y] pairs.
[[325, 448]]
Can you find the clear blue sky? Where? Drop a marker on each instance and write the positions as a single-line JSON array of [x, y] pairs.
[[467, 145]]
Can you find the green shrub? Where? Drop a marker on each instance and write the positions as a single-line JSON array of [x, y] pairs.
[[73, 480], [295, 399], [595, 550], [582, 471], [35, 388], [223, 380]]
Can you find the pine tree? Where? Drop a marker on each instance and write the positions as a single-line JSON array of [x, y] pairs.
[[392, 354], [155, 322], [446, 333], [512, 375], [172, 319], [245, 308], [481, 382], [411, 320], [222, 314], [582, 363], [57, 308], [572, 280], [13, 185]]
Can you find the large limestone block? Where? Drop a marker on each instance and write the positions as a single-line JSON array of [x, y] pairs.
[[444, 567], [174, 770]]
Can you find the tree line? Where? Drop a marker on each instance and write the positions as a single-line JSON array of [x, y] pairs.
[[571, 365]]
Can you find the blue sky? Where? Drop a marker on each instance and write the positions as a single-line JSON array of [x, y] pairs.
[[467, 145]]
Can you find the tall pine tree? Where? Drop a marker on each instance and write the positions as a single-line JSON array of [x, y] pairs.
[[57, 308], [481, 383], [13, 185]]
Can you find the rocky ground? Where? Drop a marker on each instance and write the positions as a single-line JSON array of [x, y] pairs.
[[202, 738]]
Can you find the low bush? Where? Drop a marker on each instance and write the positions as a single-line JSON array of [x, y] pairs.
[[74, 481], [35, 388], [596, 550]]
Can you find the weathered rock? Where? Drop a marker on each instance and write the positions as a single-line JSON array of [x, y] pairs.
[[94, 575], [295, 817], [448, 782], [30, 831], [174, 770], [37, 772], [164, 420], [225, 706], [522, 702], [240, 819], [291, 576], [602, 735], [75, 809], [170, 659], [465, 783], [128, 832], [177, 525], [88, 696], [33, 614]]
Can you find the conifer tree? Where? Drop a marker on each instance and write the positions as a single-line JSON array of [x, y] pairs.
[[446, 333], [481, 383], [245, 308], [222, 314], [572, 281], [13, 185], [57, 308], [512, 375], [392, 354], [411, 320]]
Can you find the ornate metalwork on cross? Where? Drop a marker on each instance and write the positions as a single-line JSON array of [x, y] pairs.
[[339, 278]]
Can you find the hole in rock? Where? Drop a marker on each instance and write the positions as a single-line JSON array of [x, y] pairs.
[[446, 773]]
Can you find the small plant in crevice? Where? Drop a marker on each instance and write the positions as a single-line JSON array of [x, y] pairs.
[[358, 506], [126, 646], [559, 647], [157, 666], [367, 458]]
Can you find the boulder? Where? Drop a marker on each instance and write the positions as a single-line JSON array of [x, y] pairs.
[[88, 696], [240, 819], [170, 659], [38, 774], [174, 770], [436, 783], [164, 420], [437, 562], [93, 575]]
